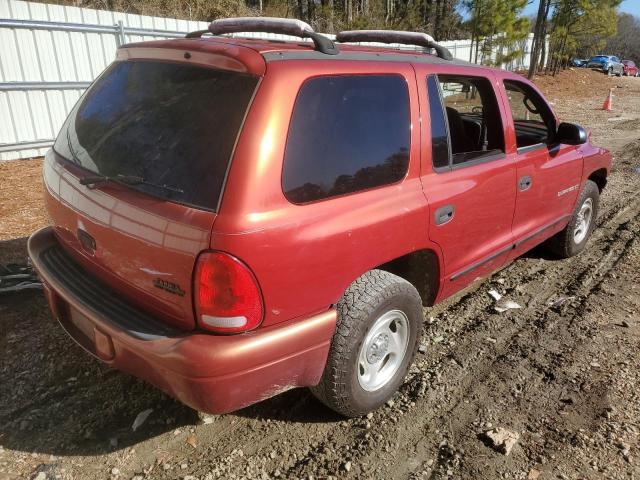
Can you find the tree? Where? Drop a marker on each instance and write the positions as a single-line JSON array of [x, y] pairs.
[[497, 29], [626, 42], [538, 47], [580, 26]]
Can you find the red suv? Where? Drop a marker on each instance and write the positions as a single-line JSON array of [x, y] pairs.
[[236, 217]]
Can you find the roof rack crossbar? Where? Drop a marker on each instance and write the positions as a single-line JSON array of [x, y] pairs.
[[283, 26], [395, 36]]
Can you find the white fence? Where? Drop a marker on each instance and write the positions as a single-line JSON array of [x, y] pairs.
[[50, 53]]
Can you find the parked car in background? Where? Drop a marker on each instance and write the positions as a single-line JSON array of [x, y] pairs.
[[608, 64], [630, 68], [235, 217], [578, 62]]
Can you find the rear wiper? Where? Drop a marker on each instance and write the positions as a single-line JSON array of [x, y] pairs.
[[126, 179]]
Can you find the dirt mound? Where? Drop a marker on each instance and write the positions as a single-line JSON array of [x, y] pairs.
[[578, 83], [629, 124]]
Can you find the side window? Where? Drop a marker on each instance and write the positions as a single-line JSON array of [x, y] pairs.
[[440, 152], [347, 133], [473, 118], [533, 120]]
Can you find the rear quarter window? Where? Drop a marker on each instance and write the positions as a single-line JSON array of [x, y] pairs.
[[347, 134]]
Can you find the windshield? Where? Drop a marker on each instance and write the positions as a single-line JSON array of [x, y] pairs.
[[167, 124]]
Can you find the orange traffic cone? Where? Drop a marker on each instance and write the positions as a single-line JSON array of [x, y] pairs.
[[608, 103]]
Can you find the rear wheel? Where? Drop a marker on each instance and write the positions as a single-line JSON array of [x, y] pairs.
[[610, 71], [379, 326], [573, 238]]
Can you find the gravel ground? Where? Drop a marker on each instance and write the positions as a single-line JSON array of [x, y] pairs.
[[560, 375]]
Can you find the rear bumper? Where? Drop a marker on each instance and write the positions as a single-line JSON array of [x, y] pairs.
[[215, 374]]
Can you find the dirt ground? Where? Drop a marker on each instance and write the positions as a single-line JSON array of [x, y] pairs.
[[563, 371]]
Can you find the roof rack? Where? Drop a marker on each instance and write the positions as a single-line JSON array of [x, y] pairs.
[[284, 26], [395, 36]]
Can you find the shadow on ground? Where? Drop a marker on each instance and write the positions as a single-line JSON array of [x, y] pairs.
[[57, 399]]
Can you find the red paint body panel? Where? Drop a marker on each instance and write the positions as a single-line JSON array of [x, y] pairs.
[[303, 256], [483, 196], [138, 238], [321, 247], [207, 372]]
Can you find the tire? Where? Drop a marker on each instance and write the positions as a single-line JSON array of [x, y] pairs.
[[376, 300], [572, 240], [610, 72]]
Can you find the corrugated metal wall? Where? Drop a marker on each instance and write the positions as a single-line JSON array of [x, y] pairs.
[[50, 53], [43, 70]]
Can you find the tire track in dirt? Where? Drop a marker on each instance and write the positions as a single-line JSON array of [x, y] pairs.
[[434, 381], [605, 250], [450, 374]]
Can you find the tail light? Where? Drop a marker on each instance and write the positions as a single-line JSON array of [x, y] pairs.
[[226, 294]]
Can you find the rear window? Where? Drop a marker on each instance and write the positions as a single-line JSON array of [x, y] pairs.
[[170, 124], [347, 133]]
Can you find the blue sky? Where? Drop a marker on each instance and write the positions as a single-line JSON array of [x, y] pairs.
[[629, 6]]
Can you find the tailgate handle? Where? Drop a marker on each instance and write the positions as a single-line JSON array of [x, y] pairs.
[[444, 214]]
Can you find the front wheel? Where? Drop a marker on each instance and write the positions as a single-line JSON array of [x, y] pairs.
[[573, 239], [377, 334]]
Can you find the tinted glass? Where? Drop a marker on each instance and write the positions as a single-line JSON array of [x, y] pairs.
[[473, 118], [347, 133], [167, 123], [439, 136], [532, 118]]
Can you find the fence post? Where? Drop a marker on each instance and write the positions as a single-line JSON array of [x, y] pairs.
[[120, 40]]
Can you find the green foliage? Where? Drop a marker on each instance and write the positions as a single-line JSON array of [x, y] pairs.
[[497, 25], [581, 27]]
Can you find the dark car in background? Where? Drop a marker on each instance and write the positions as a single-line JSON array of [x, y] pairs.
[[608, 64], [578, 62], [630, 68]]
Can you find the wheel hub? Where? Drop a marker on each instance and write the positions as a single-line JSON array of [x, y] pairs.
[[583, 221], [383, 350], [378, 348]]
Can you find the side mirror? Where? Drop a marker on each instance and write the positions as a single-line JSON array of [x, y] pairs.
[[571, 134]]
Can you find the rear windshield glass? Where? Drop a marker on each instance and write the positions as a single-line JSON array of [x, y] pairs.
[[169, 126]]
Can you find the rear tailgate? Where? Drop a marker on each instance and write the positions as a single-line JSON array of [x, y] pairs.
[[135, 176]]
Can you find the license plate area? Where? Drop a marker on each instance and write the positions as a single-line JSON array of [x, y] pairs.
[[82, 324]]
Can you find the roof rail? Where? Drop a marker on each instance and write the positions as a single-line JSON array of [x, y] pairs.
[[395, 36], [284, 26]]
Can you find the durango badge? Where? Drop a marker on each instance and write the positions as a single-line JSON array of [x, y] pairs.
[[567, 190], [168, 286]]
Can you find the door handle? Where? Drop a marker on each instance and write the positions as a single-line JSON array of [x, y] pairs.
[[444, 214], [525, 183]]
